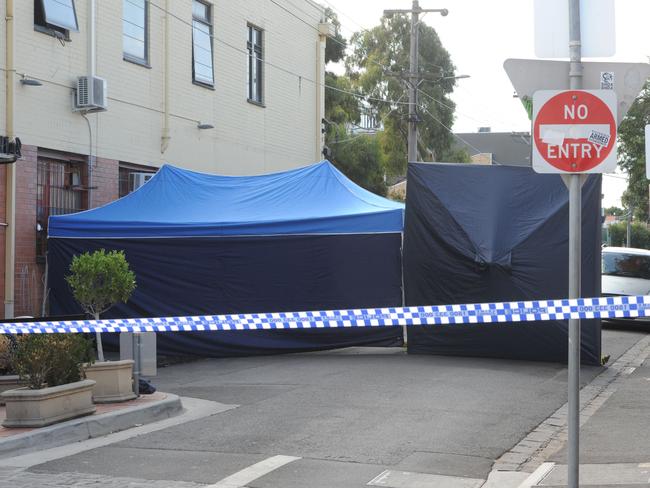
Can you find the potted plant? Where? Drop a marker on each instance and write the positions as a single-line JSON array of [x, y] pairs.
[[51, 366], [9, 380], [99, 280]]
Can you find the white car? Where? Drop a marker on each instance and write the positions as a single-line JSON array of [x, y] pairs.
[[626, 271]]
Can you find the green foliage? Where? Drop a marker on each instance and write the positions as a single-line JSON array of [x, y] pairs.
[[334, 46], [616, 211], [379, 59], [100, 280], [456, 155], [360, 159], [5, 355], [631, 154], [51, 359], [340, 107], [640, 235]]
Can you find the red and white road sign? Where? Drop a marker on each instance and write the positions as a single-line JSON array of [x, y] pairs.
[[574, 131]]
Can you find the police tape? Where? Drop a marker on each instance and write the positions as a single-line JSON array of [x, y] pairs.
[[481, 313]]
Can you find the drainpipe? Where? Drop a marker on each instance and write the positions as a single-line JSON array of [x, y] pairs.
[[164, 142], [324, 30], [10, 232], [91, 73]]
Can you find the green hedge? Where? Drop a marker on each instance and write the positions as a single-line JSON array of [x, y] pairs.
[[640, 235]]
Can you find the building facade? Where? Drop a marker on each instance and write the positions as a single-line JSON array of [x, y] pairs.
[[210, 85]]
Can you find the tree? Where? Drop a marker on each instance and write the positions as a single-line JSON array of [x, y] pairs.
[[615, 211], [631, 154], [377, 65], [99, 281], [335, 45], [360, 159]]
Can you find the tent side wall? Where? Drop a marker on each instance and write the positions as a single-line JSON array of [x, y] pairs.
[[200, 276], [442, 263]]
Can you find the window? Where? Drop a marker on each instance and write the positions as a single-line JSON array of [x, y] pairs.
[[255, 64], [202, 71], [133, 176], [135, 40], [627, 265], [55, 15], [60, 189]]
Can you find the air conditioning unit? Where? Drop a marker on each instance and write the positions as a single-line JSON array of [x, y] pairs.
[[90, 94], [136, 180]]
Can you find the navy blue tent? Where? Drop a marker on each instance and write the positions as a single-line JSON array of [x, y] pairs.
[[479, 234], [306, 239]]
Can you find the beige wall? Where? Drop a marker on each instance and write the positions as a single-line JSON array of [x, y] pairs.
[[247, 139]]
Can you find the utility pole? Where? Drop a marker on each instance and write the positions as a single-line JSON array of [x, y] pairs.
[[414, 75]]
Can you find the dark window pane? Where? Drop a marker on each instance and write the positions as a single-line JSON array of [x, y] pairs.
[[255, 64], [629, 265], [60, 13]]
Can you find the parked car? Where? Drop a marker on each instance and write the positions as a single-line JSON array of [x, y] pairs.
[[625, 271]]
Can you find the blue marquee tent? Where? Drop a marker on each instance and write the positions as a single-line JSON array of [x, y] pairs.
[[305, 239]]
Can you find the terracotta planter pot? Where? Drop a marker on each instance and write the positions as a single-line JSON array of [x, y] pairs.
[[113, 381], [9, 382], [38, 408]]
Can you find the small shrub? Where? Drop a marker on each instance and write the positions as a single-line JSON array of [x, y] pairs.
[[99, 281], [5, 355], [51, 359]]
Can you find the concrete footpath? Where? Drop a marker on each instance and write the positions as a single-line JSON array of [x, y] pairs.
[[614, 434], [108, 418]]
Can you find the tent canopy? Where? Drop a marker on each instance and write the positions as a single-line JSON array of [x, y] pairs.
[[316, 199], [479, 234]]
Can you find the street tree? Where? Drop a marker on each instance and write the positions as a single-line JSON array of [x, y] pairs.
[[379, 64], [631, 154]]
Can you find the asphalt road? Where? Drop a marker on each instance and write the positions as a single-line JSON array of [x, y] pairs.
[[348, 415]]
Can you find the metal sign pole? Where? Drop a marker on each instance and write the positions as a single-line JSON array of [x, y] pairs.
[[575, 238]]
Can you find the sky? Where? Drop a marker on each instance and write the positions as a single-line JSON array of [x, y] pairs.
[[480, 35]]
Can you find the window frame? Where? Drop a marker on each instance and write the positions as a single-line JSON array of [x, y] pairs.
[[41, 24], [251, 59], [46, 162], [130, 57], [209, 22], [125, 169]]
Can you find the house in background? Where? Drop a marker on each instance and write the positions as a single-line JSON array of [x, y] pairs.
[[101, 101], [487, 147], [484, 147]]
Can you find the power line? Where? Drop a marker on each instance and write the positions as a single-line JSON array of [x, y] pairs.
[[453, 134], [280, 68]]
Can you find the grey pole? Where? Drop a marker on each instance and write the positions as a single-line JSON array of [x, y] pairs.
[[413, 84], [575, 238], [628, 237]]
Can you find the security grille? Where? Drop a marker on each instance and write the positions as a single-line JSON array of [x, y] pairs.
[[59, 190]]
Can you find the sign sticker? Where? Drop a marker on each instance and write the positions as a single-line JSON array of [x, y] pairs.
[[599, 138]]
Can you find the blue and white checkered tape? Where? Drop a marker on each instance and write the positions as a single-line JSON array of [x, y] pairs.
[[480, 313]]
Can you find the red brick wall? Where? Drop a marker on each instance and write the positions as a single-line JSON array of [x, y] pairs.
[[28, 284], [29, 273], [106, 179]]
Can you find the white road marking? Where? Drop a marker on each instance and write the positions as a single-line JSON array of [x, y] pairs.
[[538, 475], [405, 479], [241, 478]]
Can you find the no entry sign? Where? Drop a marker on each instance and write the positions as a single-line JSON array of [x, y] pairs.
[[574, 131]]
